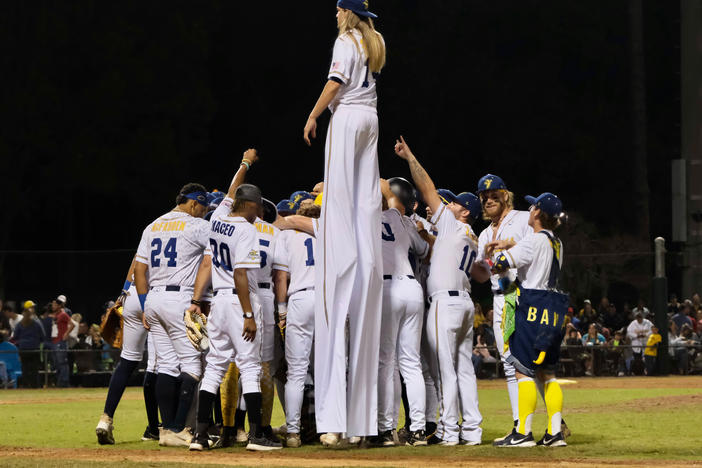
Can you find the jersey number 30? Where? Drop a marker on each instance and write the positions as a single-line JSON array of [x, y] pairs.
[[169, 252]]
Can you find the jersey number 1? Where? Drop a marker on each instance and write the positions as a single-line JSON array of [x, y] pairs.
[[310, 252]]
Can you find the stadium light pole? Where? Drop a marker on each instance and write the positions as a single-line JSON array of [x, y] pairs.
[[660, 306]]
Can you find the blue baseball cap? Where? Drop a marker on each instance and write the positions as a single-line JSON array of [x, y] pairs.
[[298, 197], [491, 182], [446, 196], [214, 199], [200, 197], [360, 7], [546, 202], [283, 206], [470, 202]]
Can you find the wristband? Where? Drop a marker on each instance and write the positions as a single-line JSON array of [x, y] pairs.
[[127, 285], [247, 160], [245, 164], [142, 300], [282, 310], [196, 302]]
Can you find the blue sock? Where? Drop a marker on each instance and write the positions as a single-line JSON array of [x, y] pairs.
[[150, 400], [167, 398], [188, 386], [118, 382]]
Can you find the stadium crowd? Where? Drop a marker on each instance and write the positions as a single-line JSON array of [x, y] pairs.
[[601, 340]]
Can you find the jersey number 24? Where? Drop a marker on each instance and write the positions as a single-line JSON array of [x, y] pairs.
[[169, 252]]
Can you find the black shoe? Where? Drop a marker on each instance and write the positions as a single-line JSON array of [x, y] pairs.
[[200, 442], [515, 439], [262, 444], [403, 435], [150, 434], [227, 438], [434, 440], [416, 439], [386, 439], [549, 440]]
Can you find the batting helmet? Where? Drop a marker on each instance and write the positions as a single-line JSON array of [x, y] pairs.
[[404, 191], [270, 213]]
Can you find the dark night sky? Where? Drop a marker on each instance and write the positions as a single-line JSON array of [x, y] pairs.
[[110, 107]]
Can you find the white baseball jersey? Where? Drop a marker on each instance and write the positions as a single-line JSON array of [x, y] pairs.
[[431, 229], [533, 256], [455, 250], [233, 243], [514, 226], [350, 67], [294, 253], [398, 238], [172, 248], [267, 237]]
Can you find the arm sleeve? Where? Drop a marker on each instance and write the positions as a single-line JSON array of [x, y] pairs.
[[142, 254], [281, 260], [246, 254], [342, 60]]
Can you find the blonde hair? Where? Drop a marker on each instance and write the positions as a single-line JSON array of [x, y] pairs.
[[507, 202], [372, 40]]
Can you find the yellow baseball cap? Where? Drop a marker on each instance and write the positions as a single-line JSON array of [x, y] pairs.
[[318, 200], [28, 304]]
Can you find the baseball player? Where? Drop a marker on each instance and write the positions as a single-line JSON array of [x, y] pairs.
[[402, 319], [135, 338], [449, 326], [169, 253], [535, 329], [349, 283], [295, 254], [506, 223]]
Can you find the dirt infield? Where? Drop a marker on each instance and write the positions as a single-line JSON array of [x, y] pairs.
[[331, 459]]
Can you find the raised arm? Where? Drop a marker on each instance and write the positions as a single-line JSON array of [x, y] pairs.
[[250, 157], [421, 179]]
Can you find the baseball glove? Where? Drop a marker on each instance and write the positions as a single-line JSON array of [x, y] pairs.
[[112, 326], [196, 328]]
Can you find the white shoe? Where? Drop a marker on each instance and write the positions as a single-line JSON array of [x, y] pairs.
[[330, 439], [169, 438], [355, 440], [241, 436], [448, 443], [104, 430], [293, 440]]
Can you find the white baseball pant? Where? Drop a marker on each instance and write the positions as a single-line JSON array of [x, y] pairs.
[[299, 336], [498, 303], [401, 333], [429, 372], [134, 333], [349, 276], [164, 314], [225, 326], [450, 335], [267, 299]]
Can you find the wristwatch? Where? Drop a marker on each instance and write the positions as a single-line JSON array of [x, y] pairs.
[[248, 315]]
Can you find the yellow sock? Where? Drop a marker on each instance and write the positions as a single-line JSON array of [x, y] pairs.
[[267, 394], [527, 404], [553, 396], [229, 390]]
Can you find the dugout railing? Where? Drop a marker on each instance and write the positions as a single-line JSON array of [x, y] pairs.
[[39, 368]]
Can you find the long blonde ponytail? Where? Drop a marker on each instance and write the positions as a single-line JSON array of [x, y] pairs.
[[372, 40]]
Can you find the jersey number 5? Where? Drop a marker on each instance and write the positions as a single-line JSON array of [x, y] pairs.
[[387, 233], [169, 252], [464, 267]]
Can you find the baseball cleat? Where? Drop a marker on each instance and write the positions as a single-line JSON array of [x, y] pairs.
[[227, 439], [199, 443], [516, 440], [104, 431], [150, 434], [386, 439], [448, 443], [293, 440], [549, 440], [330, 439], [241, 436], [416, 438], [355, 440], [263, 444], [175, 439], [403, 434], [514, 429], [281, 430], [469, 442]]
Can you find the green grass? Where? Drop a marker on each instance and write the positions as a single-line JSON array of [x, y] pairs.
[[642, 422]]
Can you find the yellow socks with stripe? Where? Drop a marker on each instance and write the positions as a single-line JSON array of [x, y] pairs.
[[553, 396], [527, 404], [267, 393]]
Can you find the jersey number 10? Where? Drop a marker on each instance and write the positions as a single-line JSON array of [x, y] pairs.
[[464, 267]]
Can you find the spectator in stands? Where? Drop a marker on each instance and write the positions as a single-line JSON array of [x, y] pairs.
[[638, 331], [681, 317], [641, 307], [591, 340], [87, 360], [699, 322], [603, 307], [612, 319], [28, 336], [587, 315], [73, 335], [47, 322], [673, 305], [621, 345], [481, 354], [5, 330], [573, 340], [59, 342], [677, 349], [696, 303], [651, 351], [489, 332], [13, 318], [478, 316], [62, 299]]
